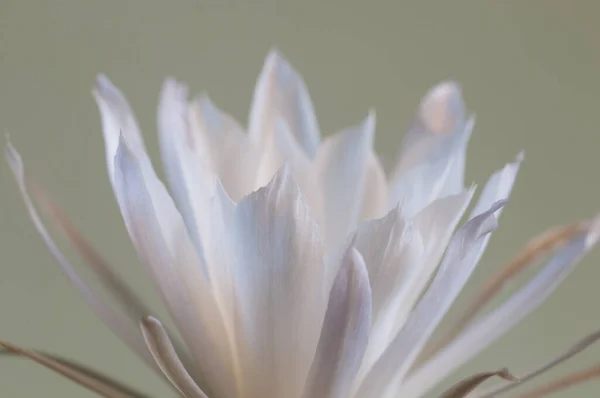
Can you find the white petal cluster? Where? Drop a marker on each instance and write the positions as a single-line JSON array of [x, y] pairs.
[[292, 265]]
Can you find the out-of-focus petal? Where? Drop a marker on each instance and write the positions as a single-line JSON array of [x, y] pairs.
[[431, 164], [340, 168], [281, 92], [224, 145], [345, 332], [375, 195], [461, 258], [493, 325], [393, 251]]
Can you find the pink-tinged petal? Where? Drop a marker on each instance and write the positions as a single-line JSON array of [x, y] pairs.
[[340, 168], [492, 326], [224, 145], [281, 92], [461, 258], [163, 244], [345, 332], [431, 164]]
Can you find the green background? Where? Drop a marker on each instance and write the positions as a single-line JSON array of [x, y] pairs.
[[529, 70]]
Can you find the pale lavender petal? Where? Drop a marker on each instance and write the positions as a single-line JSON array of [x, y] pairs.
[[393, 252], [271, 249], [345, 332], [281, 92], [225, 147], [460, 260]]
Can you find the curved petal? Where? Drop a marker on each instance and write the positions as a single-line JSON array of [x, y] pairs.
[[228, 151], [161, 348], [281, 92], [340, 168], [117, 118], [163, 244], [345, 332], [461, 258], [431, 164], [493, 325]]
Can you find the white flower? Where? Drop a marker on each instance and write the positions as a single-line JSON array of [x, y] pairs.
[[293, 266]]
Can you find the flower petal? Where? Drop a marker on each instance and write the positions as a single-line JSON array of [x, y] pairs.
[[392, 249], [163, 244], [431, 164], [282, 149], [460, 260], [281, 92], [221, 141], [375, 196], [272, 249], [498, 187], [489, 328], [166, 358], [340, 167], [345, 332], [185, 160], [117, 118], [436, 224]]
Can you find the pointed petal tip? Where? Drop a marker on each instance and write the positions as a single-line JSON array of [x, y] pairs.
[[105, 89]]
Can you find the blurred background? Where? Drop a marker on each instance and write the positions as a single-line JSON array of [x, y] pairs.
[[529, 71]]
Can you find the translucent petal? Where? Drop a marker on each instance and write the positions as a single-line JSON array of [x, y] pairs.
[[281, 92], [431, 164], [227, 150], [340, 168]]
